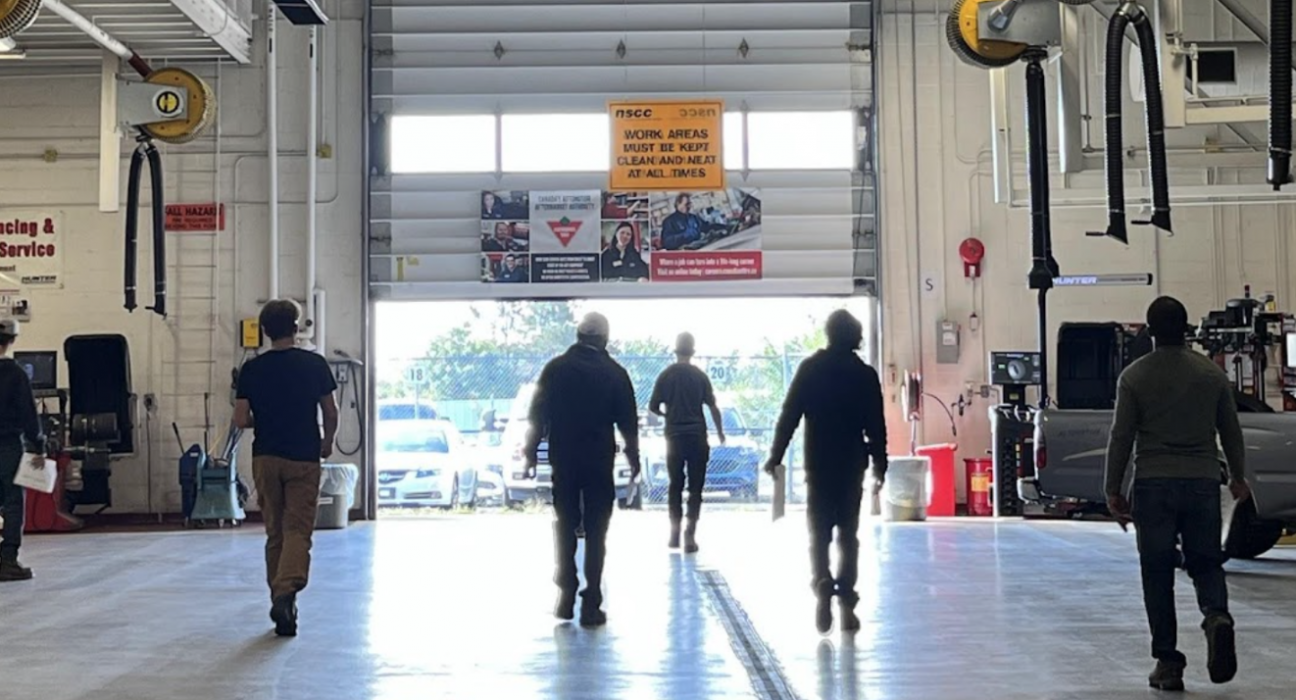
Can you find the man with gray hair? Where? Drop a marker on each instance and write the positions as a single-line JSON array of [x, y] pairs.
[[580, 396]]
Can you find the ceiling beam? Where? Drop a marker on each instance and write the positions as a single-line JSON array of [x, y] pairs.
[[218, 21]]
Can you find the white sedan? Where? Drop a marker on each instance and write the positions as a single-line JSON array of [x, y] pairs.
[[423, 463]]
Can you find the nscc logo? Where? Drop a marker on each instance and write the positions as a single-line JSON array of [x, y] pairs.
[[640, 113]]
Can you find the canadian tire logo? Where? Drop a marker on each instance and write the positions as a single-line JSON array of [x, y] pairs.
[[565, 229]]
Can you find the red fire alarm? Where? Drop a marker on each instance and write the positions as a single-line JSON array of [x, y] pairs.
[[972, 251]]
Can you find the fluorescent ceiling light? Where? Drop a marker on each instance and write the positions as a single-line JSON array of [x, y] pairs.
[[7, 45]]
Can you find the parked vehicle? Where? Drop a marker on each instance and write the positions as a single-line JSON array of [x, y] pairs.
[[405, 409], [734, 468], [423, 463], [490, 489], [519, 488], [1071, 450]]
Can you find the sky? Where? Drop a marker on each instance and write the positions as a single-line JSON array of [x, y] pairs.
[[721, 326]]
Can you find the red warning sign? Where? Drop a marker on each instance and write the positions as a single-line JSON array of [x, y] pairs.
[[189, 218]]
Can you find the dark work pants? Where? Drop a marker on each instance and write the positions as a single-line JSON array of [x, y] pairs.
[[835, 504], [13, 499], [686, 459], [582, 493], [1167, 511]]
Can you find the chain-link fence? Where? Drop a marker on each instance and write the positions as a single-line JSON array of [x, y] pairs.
[[482, 394]]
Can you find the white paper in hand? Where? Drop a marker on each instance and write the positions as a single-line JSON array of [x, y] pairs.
[[779, 502], [37, 473]]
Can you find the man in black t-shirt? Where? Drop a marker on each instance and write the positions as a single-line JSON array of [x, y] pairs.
[[281, 394], [684, 390]]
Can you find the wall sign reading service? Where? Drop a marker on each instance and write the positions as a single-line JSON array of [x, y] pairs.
[[31, 250], [667, 146]]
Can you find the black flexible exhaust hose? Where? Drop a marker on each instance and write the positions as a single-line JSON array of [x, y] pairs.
[[132, 225], [1043, 266], [1042, 272], [1114, 138], [1280, 92], [159, 232], [1155, 116]]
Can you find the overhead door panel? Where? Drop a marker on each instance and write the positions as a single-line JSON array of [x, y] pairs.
[[497, 60]]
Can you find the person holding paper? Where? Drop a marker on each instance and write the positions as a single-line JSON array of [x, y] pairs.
[[1171, 406], [20, 433], [683, 391], [840, 398]]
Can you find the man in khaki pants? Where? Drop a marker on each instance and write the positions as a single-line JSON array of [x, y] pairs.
[[281, 394]]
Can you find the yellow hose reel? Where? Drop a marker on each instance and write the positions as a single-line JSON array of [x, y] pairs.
[[201, 106]]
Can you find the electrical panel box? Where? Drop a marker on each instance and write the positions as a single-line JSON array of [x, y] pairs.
[[249, 334], [947, 343]]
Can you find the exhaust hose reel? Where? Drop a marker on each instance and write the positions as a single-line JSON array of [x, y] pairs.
[[1280, 93]]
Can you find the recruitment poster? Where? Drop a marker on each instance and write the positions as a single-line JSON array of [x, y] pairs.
[[623, 237], [31, 250], [658, 146]]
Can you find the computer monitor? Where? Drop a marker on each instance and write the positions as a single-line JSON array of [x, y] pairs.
[[41, 368]]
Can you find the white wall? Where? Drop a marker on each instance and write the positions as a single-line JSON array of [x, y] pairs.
[[1214, 252], [214, 279]]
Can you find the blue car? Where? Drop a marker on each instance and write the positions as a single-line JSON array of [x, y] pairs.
[[734, 468]]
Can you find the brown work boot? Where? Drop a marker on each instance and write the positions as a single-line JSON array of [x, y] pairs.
[[1167, 676], [11, 570], [675, 535], [1221, 648]]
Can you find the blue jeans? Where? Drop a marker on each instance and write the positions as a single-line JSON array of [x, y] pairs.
[[1167, 511]]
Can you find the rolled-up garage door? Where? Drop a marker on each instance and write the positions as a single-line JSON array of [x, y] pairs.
[[511, 98]]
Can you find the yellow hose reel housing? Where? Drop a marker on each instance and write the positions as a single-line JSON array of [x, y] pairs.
[[964, 37], [17, 15], [201, 106]]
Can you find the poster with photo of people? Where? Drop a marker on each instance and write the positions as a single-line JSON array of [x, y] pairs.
[[622, 237]]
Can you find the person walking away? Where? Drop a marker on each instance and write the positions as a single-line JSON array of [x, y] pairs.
[[684, 390], [281, 395], [580, 396], [840, 398], [1171, 405], [20, 432]]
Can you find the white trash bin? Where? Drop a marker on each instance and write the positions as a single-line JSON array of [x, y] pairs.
[[907, 491], [337, 495]]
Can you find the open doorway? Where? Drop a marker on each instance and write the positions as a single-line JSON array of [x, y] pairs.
[[454, 381]]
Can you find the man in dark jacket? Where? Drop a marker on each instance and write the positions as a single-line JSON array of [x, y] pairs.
[[579, 397], [1170, 407], [20, 431], [840, 398]]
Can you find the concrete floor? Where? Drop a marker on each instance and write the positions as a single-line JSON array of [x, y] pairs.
[[458, 607]]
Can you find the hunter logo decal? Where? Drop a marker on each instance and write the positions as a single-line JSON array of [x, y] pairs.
[[565, 229]]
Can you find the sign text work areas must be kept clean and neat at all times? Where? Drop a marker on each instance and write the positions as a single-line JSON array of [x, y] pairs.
[[667, 145]]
